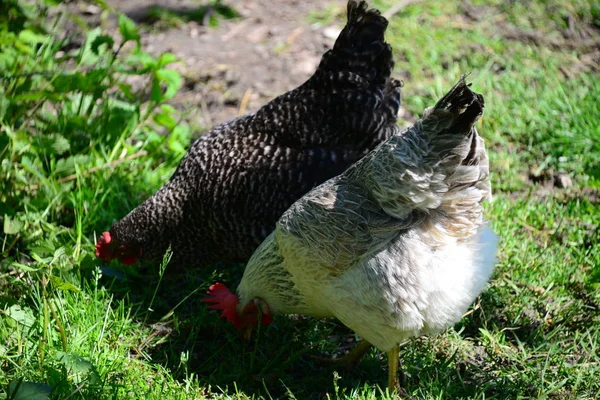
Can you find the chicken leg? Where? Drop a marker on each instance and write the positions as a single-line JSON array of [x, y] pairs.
[[393, 382], [394, 369], [354, 355], [351, 359]]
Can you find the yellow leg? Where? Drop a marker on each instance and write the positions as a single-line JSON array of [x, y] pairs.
[[393, 383], [354, 356], [350, 360]]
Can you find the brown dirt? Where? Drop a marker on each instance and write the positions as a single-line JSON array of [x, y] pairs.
[[271, 47], [264, 52]]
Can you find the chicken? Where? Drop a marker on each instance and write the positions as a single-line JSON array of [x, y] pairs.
[[235, 181], [395, 247]]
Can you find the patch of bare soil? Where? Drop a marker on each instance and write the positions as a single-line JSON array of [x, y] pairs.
[[242, 63]]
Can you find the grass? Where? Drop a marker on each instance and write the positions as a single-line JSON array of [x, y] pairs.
[[80, 149]]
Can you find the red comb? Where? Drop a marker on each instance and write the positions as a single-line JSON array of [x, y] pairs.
[[224, 300], [103, 249]]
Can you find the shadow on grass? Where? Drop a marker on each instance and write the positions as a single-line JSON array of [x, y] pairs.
[[190, 340], [187, 338]]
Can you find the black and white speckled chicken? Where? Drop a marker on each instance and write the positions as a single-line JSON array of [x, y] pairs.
[[236, 180]]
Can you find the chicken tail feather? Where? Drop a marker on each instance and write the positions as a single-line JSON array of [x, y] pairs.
[[439, 162], [361, 48], [464, 106]]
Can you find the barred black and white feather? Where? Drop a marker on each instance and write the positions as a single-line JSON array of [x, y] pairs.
[[236, 180]]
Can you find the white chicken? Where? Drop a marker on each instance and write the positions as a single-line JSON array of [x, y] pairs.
[[395, 247]]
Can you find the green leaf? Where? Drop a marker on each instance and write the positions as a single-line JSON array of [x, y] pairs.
[[24, 267], [59, 284], [99, 41], [128, 29], [4, 103], [179, 139], [67, 165], [165, 119], [29, 37], [127, 90], [12, 226], [81, 368], [23, 48], [146, 59], [168, 109], [165, 59], [28, 165], [23, 316], [89, 82], [61, 144], [53, 144], [65, 83], [58, 253], [87, 56], [21, 390], [41, 260], [169, 76], [156, 94], [8, 58], [173, 81], [123, 117], [37, 95]]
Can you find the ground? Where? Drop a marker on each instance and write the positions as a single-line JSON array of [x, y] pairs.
[[71, 327], [263, 53]]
